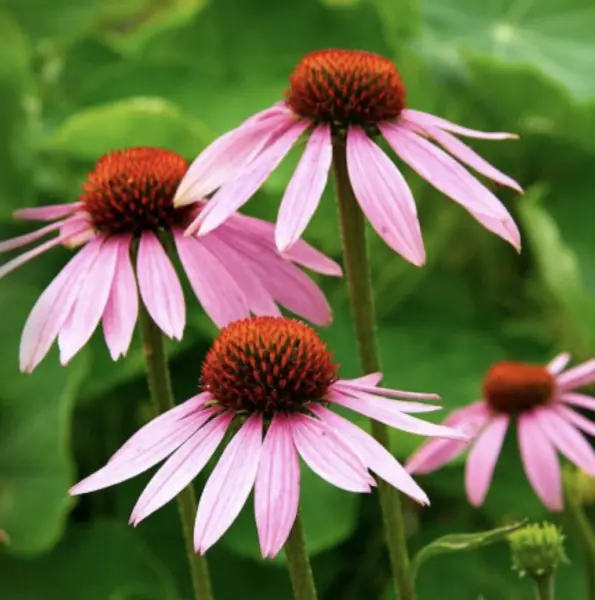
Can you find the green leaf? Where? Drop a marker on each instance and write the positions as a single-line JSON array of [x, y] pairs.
[[461, 542], [132, 122], [554, 36], [103, 561], [35, 465]]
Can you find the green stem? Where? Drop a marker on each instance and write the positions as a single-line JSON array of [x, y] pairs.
[[544, 587], [584, 531], [298, 563], [163, 400], [357, 267]]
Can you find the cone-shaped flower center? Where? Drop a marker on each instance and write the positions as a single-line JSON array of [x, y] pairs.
[[268, 365], [512, 388], [346, 86], [132, 190]]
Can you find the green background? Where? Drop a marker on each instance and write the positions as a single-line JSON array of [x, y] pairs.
[[82, 77]]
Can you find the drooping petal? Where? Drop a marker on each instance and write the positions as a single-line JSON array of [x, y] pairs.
[[483, 457], [239, 265], [558, 363], [406, 407], [376, 458], [328, 455], [579, 376], [121, 311], [28, 238], [234, 194], [53, 307], [166, 441], [161, 427], [453, 180], [50, 212], [307, 256], [229, 485], [383, 410], [540, 461], [181, 467], [228, 155], [435, 453], [576, 399], [277, 487], [468, 156], [384, 196], [90, 302], [575, 418], [160, 287], [214, 287], [417, 117], [304, 191], [370, 379], [359, 386], [567, 439]]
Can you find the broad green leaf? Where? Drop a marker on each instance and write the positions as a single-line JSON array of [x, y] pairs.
[[554, 36], [35, 411], [461, 542], [105, 560], [132, 122]]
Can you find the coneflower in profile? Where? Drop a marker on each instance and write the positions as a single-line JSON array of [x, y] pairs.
[[272, 375], [341, 101], [127, 203]]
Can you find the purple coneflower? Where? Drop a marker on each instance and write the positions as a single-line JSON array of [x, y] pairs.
[[341, 100], [272, 374], [127, 204], [539, 399]]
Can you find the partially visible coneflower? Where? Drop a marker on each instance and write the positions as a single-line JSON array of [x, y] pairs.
[[539, 399], [127, 203], [342, 100], [275, 375]]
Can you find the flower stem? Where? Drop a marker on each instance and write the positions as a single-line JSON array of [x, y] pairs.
[[298, 563], [163, 400], [584, 531], [357, 267], [544, 587]]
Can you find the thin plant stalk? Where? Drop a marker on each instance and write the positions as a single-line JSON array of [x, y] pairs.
[[298, 563]]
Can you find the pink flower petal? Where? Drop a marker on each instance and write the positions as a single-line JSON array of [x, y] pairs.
[[540, 461], [558, 363], [160, 287], [303, 194], [453, 180], [328, 455], [483, 457], [579, 376], [384, 196], [181, 467], [359, 386], [369, 380], [575, 418], [435, 453], [383, 410], [121, 311], [90, 303], [214, 287], [581, 400], [228, 155], [261, 233], [161, 427], [406, 407], [567, 439], [50, 212], [229, 485], [468, 156], [234, 194], [167, 441], [239, 265], [28, 238], [277, 488], [417, 117], [53, 308], [373, 454]]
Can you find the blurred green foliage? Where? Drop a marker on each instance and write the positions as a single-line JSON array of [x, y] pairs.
[[81, 77]]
